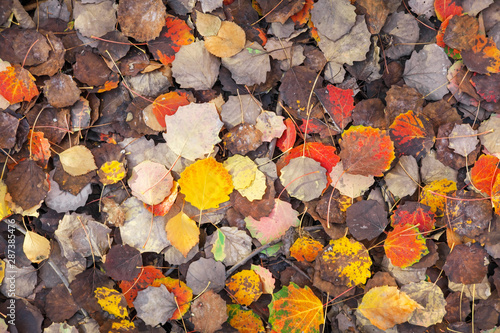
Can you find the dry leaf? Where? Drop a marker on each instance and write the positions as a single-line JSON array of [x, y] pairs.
[[230, 39], [77, 160]]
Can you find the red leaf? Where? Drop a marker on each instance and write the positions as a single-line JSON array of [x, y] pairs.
[[325, 155], [412, 134], [145, 279], [167, 104], [174, 34], [366, 151], [487, 86], [446, 8], [416, 214], [339, 103], [304, 14], [40, 148], [288, 137], [17, 84], [405, 245], [484, 173]]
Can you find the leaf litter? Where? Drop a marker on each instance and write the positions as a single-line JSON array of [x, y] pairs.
[[177, 167]]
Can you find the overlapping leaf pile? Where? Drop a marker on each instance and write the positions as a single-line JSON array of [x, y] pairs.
[[250, 165]]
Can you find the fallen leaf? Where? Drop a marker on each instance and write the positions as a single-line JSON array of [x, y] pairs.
[[205, 274], [77, 160], [235, 247], [150, 182], [491, 140], [250, 65], [404, 178], [269, 228], [366, 219], [182, 232], [123, 262], [404, 31], [463, 140], [412, 134], [245, 321], [164, 207], [414, 213], [461, 32], [193, 130], [145, 278], [194, 67], [305, 249], [447, 8], [241, 109], [296, 86], [61, 91], [366, 151], [487, 86], [405, 245], [432, 195], [266, 279], [350, 185], [325, 155], [35, 247], [483, 57], [230, 40], [27, 184], [17, 84], [244, 287], [270, 125], [295, 309], [174, 34], [207, 24], [155, 305], [111, 301], [167, 105], [304, 178], [338, 102], [332, 18], [287, 139], [431, 298], [387, 306], [182, 293], [276, 11], [466, 264], [209, 312], [4, 208], [345, 261], [112, 172], [206, 184], [39, 147], [141, 20]]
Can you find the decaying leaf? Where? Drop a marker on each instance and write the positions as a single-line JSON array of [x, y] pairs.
[[209, 312], [245, 321], [244, 287], [305, 248]]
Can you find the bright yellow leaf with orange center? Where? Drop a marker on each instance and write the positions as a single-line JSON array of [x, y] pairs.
[[434, 195], [111, 172], [183, 294], [112, 301], [305, 248], [244, 287], [183, 233], [206, 184]]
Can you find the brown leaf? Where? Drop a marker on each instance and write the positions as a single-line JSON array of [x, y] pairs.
[[400, 100], [15, 45], [242, 139], [467, 264], [209, 312], [27, 183], [446, 155], [91, 69], [376, 12], [461, 32], [56, 58], [59, 304], [280, 11], [61, 91], [8, 128], [296, 86], [141, 20]]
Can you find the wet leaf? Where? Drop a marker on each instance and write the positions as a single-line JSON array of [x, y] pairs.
[[405, 245], [206, 184], [412, 134], [295, 309], [386, 306], [366, 151], [244, 287]]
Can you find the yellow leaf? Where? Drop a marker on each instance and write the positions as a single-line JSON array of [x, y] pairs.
[[242, 170], [4, 209], [183, 233], [77, 160], [257, 189], [206, 184], [111, 172], [123, 326], [112, 301], [305, 248], [244, 287], [2, 271], [387, 306], [36, 247], [433, 195]]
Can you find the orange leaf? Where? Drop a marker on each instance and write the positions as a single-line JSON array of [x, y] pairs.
[[174, 34], [484, 172], [40, 148], [325, 155], [17, 84], [183, 294], [433, 195], [305, 248], [167, 104], [244, 287], [163, 207], [412, 134], [245, 321], [142, 281], [289, 135], [405, 245], [495, 195], [366, 151], [483, 57], [304, 14], [416, 214], [295, 309], [446, 8]]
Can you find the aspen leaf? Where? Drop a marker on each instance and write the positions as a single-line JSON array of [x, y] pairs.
[[17, 84], [146, 185], [306, 249], [295, 309], [182, 293], [387, 306], [182, 232], [77, 160], [245, 321], [35, 247], [206, 184], [230, 245], [338, 102], [155, 305], [405, 245], [112, 301], [304, 178], [412, 134], [266, 278], [145, 278], [40, 148], [111, 172], [416, 214], [432, 195], [174, 34], [4, 209], [244, 287], [230, 39], [167, 105], [209, 312]]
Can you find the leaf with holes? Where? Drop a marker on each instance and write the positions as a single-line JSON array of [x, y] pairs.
[[173, 35], [484, 172], [412, 134], [295, 309], [206, 184], [386, 306], [145, 278], [244, 287], [167, 105], [183, 294], [17, 84], [338, 102], [416, 214], [306, 249], [272, 227], [405, 245], [366, 151]]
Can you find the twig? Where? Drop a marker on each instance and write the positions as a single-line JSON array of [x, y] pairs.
[[297, 269], [250, 256]]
